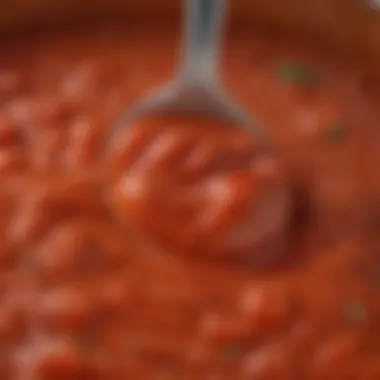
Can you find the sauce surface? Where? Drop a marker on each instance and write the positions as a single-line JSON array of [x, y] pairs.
[[85, 296], [217, 183]]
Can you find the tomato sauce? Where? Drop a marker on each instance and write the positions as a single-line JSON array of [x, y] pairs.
[[139, 257], [217, 183]]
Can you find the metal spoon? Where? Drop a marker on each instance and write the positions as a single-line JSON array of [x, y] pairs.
[[197, 90], [197, 87]]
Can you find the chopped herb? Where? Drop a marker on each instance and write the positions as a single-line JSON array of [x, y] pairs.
[[88, 343], [232, 352], [372, 277], [337, 132], [372, 220], [297, 73], [355, 312], [375, 277], [165, 374], [27, 265]]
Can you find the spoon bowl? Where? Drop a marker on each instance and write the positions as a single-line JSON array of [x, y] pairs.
[[235, 213]]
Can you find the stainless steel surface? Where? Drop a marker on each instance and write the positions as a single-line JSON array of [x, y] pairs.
[[197, 87]]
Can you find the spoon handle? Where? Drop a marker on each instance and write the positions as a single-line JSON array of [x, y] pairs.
[[204, 29]]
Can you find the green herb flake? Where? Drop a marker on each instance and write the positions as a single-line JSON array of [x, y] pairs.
[[27, 265], [165, 374], [337, 132], [88, 343], [355, 312], [375, 278], [232, 352], [296, 73]]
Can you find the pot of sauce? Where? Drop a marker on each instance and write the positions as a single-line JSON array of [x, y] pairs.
[[85, 297]]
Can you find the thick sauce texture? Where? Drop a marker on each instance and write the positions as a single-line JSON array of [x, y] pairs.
[[136, 257], [218, 184]]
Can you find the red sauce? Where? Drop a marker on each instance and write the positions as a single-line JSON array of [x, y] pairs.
[[226, 197], [131, 258]]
